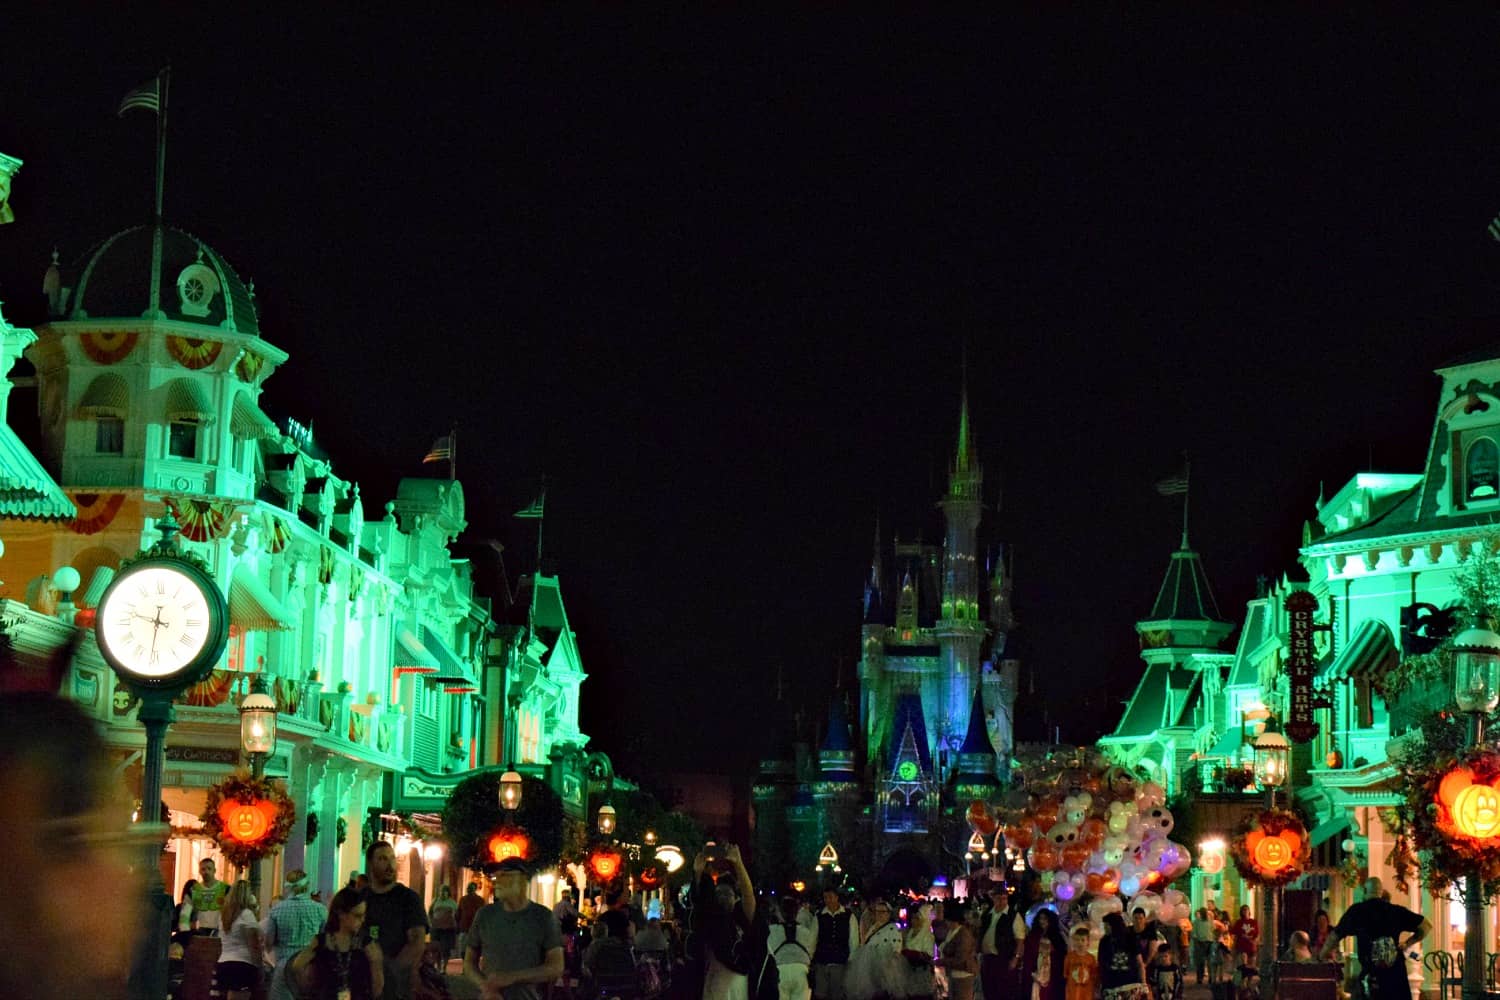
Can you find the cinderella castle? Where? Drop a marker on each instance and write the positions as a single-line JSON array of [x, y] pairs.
[[927, 729]]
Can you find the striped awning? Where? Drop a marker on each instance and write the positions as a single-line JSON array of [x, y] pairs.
[[106, 396], [186, 402], [411, 656], [452, 671], [1370, 652], [247, 421], [26, 491], [252, 606]]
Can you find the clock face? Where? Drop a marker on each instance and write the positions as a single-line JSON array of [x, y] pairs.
[[907, 770], [160, 621]]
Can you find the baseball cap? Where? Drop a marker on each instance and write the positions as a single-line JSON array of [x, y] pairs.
[[513, 865]]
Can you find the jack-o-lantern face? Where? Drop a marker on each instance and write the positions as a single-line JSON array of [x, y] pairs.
[[1476, 811], [605, 864], [508, 844], [1273, 854], [247, 823], [650, 877]]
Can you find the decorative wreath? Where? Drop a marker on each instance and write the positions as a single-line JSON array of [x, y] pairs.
[[248, 818], [1270, 847], [1452, 810]]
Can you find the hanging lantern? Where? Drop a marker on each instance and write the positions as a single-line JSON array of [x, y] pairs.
[[605, 864], [649, 837], [508, 843], [1271, 753], [510, 791], [1476, 670], [606, 819]]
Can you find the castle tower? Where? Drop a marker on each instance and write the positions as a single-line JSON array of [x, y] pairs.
[[960, 628]]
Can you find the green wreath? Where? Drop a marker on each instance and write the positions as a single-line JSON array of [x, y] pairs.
[[1290, 842], [241, 788]]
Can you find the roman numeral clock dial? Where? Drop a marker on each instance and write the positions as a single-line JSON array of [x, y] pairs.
[[162, 622]]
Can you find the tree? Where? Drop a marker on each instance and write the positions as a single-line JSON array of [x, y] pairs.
[[473, 813]]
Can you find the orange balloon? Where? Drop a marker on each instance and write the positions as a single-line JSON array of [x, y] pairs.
[[1111, 881], [1092, 831], [987, 826], [1075, 856], [1042, 856], [1021, 835], [1046, 815], [1093, 882]]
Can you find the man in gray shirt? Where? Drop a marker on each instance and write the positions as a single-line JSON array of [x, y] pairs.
[[514, 945]]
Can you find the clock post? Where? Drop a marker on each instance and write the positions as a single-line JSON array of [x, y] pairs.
[[162, 626]]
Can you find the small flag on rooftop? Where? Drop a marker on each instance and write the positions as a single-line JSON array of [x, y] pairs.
[[147, 97], [1173, 486], [534, 511], [442, 450]]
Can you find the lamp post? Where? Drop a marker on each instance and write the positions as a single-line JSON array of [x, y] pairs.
[[258, 740], [1272, 763], [1476, 688]]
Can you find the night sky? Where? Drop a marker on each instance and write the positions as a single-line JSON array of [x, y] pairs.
[[715, 280]]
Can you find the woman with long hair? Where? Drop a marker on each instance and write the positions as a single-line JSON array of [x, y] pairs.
[[240, 944], [334, 966], [1122, 969], [1042, 957], [1322, 927]]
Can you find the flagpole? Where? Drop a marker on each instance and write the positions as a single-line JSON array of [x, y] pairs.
[[163, 81], [161, 139], [1187, 494]]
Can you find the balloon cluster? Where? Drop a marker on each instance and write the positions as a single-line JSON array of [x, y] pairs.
[[1096, 831]]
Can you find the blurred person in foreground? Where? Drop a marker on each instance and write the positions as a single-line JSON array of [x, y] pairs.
[[64, 816]]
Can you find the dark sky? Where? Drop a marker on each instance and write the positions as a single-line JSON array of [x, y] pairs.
[[714, 280]]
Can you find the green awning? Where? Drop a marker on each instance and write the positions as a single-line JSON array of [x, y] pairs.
[[247, 421], [252, 606], [186, 402], [411, 656], [26, 491], [451, 669], [1370, 652], [106, 396]]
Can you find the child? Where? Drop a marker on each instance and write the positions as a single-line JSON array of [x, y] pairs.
[[1080, 969]]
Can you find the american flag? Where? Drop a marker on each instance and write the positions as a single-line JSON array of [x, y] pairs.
[[442, 450], [147, 96], [1173, 486]]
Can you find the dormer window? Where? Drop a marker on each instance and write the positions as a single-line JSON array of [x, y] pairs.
[[1481, 479]]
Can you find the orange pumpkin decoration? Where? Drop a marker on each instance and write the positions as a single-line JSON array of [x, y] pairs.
[[1271, 854], [650, 877], [247, 822], [508, 844], [605, 864], [1476, 811]]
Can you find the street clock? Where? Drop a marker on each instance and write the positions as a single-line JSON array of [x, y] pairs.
[[163, 623]]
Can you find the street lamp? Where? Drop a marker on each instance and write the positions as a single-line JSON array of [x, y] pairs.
[[606, 819], [1476, 688], [1272, 762], [510, 791], [258, 740], [649, 837]]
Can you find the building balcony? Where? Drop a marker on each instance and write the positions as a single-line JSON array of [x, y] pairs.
[[1415, 702]]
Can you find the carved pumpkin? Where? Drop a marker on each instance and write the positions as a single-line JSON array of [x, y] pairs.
[[1272, 854], [1454, 782], [650, 877], [247, 823], [508, 844], [605, 864], [1476, 811]]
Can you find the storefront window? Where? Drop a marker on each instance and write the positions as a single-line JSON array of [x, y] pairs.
[[1482, 470]]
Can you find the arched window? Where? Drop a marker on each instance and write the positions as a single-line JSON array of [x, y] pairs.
[[1482, 470]]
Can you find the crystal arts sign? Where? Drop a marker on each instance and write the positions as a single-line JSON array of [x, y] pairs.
[[1300, 727]]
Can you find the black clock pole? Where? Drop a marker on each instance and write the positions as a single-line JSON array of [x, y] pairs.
[[148, 974]]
